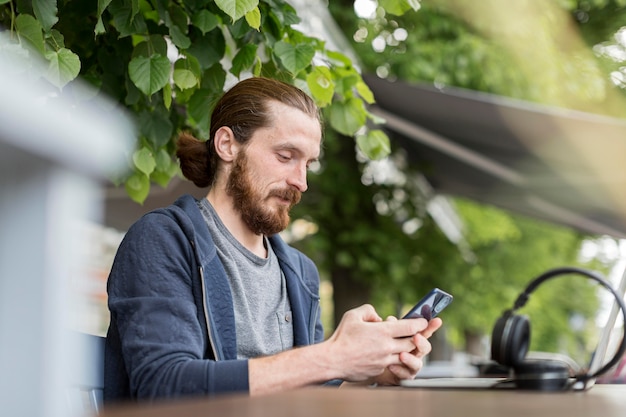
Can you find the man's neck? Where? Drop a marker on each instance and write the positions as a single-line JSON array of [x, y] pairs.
[[223, 206]]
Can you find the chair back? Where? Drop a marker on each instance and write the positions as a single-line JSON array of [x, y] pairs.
[[85, 392]]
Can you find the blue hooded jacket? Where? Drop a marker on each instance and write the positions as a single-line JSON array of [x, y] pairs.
[[172, 329]]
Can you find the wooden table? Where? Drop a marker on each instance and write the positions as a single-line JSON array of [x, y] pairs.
[[600, 401]]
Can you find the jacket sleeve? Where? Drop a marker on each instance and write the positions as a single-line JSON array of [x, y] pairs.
[[163, 343]]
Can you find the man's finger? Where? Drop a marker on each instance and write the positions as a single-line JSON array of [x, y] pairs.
[[423, 346], [406, 327], [433, 325]]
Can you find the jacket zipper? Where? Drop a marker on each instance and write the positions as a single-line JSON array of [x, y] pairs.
[[206, 313], [312, 331]]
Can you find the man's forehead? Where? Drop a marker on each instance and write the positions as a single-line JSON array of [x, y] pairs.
[[292, 129]]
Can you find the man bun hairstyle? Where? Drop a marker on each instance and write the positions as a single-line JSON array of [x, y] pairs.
[[244, 109], [194, 158]]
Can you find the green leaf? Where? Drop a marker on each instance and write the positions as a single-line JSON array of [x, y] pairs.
[[156, 126], [258, 67], [399, 7], [135, 7], [179, 39], [365, 92], [149, 74], [46, 12], [102, 5], [165, 168], [54, 39], [167, 96], [187, 74], [144, 161], [321, 85], [209, 49], [133, 95], [176, 21], [99, 28], [214, 78], [161, 178], [273, 30], [205, 21], [154, 44], [284, 14], [126, 19], [347, 117], [239, 29], [163, 160], [244, 59], [182, 96], [177, 16], [200, 105], [339, 57], [138, 187], [30, 29], [375, 144], [184, 79], [189, 62], [295, 58], [64, 66], [253, 18], [236, 9], [345, 81]]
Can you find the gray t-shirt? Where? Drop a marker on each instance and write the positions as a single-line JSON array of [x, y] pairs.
[[262, 309]]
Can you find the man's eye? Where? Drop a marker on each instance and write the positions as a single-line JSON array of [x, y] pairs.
[[283, 157]]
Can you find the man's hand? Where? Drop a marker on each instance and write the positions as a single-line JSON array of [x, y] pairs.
[[364, 346], [412, 361]]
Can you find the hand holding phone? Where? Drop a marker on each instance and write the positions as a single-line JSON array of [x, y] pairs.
[[431, 305]]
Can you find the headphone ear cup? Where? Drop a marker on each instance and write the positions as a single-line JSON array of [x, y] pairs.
[[510, 339], [542, 375]]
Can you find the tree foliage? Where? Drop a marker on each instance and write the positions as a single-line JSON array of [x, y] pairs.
[[542, 51], [167, 61], [456, 43]]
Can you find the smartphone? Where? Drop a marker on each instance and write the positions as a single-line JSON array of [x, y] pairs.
[[431, 305]]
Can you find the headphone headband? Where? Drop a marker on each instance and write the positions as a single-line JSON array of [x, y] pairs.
[[523, 298]]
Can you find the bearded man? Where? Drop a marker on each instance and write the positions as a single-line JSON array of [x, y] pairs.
[[206, 298]]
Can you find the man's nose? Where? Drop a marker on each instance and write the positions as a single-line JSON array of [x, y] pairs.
[[297, 178]]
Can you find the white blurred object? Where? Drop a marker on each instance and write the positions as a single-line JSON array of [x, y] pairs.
[[55, 151]]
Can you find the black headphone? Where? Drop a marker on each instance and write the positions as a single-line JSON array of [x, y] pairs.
[[511, 338]]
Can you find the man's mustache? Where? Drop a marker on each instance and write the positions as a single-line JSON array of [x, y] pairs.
[[289, 194]]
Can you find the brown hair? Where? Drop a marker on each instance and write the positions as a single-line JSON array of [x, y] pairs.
[[244, 109]]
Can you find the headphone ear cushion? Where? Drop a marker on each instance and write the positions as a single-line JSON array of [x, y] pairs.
[[542, 375], [510, 339]]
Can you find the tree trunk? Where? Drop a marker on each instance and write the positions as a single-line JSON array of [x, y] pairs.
[[441, 349], [347, 292], [475, 345]]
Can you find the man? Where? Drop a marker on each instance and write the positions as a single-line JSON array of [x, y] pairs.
[[206, 298]]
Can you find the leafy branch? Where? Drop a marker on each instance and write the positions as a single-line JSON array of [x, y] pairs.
[[167, 61]]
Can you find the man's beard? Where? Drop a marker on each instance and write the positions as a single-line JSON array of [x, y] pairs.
[[253, 206]]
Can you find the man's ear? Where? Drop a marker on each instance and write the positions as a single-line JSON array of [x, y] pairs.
[[226, 145]]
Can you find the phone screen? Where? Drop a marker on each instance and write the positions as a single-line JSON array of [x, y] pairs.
[[431, 305]]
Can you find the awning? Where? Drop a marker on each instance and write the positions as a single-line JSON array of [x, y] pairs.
[[558, 165]]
